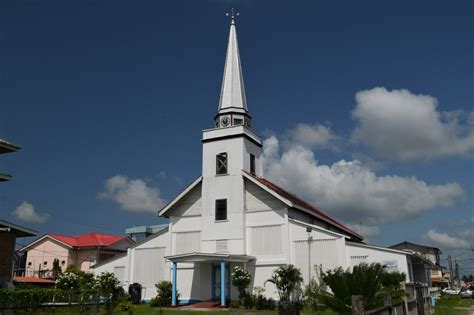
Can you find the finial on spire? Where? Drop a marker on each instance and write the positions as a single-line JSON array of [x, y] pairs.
[[233, 16]]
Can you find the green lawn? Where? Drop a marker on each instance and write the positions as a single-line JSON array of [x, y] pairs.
[[454, 305], [145, 309]]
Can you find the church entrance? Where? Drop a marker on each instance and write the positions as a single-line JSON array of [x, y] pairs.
[[216, 281]]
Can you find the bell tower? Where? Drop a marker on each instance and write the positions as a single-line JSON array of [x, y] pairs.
[[228, 149]]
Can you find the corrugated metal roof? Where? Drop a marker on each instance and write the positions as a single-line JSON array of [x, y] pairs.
[[89, 240]]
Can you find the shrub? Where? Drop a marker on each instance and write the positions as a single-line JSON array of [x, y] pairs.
[[26, 298], [312, 295], [248, 301], [164, 294], [287, 280], [234, 304], [109, 288], [271, 304], [68, 281], [241, 279], [370, 281], [261, 302]]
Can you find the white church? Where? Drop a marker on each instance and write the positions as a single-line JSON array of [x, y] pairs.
[[232, 216]]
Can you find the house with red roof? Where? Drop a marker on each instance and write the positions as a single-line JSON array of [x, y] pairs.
[[232, 216], [82, 251]]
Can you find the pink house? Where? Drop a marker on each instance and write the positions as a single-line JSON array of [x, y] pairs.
[[82, 251]]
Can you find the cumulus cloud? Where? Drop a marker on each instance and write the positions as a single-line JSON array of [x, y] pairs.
[[365, 230], [404, 126], [310, 136], [446, 241], [353, 191], [132, 194], [26, 212]]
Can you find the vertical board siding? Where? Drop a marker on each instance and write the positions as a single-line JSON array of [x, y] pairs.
[[149, 267], [266, 240], [356, 260], [188, 242], [323, 256], [119, 272]]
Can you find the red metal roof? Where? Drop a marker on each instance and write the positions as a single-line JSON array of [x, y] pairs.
[[89, 240], [303, 204], [33, 280]]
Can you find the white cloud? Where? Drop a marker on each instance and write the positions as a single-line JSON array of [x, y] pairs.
[[310, 136], [353, 191], [365, 230], [404, 126], [26, 212], [132, 194], [467, 233], [446, 241]]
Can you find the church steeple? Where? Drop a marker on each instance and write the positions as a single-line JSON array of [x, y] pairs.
[[232, 104]]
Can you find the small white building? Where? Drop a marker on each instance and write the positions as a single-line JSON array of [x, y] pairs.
[[232, 215]]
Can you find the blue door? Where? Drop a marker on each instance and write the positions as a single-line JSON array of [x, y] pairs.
[[216, 281]]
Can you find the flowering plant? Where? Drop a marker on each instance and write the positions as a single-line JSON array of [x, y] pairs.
[[240, 279], [68, 281]]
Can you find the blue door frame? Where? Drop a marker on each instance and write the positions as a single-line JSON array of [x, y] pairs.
[[216, 281]]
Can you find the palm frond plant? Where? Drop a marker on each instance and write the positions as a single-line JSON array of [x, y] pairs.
[[287, 280], [366, 280]]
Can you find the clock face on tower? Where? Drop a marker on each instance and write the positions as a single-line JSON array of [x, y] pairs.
[[225, 121]]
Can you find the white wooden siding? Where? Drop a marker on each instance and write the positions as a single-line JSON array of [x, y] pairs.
[[257, 199], [149, 266], [356, 260], [266, 240], [188, 242], [323, 256], [119, 272], [221, 246], [190, 205]]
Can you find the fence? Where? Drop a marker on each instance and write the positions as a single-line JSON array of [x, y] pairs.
[[417, 302]]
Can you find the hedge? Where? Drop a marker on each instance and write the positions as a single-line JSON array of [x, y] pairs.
[[32, 298]]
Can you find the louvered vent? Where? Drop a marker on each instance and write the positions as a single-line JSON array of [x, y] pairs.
[[221, 246]]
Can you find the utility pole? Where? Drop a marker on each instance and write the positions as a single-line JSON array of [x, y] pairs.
[[456, 272], [450, 266]]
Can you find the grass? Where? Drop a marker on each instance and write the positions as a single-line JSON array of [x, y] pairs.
[[145, 309], [454, 305]]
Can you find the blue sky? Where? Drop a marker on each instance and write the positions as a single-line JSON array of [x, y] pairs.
[[118, 92]]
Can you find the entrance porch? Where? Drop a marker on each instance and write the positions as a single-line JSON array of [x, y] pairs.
[[204, 276]]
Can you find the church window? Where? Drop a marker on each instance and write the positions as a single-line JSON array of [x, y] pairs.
[[221, 164], [252, 163], [238, 121], [221, 209]]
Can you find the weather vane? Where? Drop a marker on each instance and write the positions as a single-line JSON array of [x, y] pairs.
[[232, 15]]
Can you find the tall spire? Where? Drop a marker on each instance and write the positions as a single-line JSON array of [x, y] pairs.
[[233, 91]]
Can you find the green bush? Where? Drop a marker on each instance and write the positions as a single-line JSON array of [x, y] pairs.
[[369, 280], [271, 304], [312, 295], [234, 304], [240, 279], [26, 298], [110, 289], [248, 301], [164, 294]]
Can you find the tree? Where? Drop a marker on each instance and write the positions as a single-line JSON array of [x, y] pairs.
[[109, 288], [241, 279], [56, 271]]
